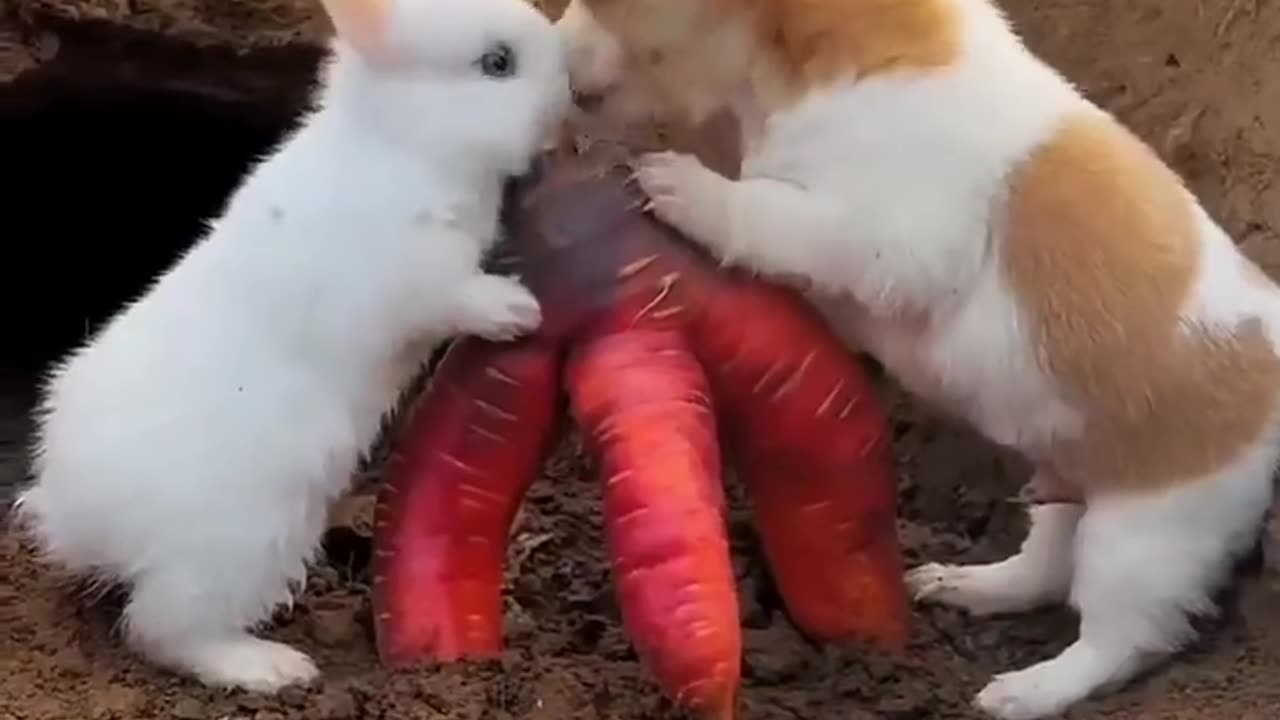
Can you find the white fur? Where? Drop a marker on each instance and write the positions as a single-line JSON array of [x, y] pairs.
[[192, 448], [1040, 574], [1135, 567], [885, 193], [595, 57]]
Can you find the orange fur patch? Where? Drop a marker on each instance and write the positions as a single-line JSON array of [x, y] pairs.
[[1102, 250], [808, 43], [817, 41]]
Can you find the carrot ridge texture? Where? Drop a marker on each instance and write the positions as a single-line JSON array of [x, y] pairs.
[[664, 360], [644, 407], [471, 447], [814, 453]]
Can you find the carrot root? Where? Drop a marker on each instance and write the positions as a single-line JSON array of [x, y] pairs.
[[465, 458], [812, 443], [644, 406]]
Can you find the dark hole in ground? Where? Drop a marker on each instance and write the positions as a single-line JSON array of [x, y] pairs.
[[109, 186], [115, 156]]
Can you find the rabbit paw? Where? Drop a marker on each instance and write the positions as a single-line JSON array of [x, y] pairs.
[[498, 308], [249, 663]]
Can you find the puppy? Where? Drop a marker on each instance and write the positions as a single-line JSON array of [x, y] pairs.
[[1010, 252]]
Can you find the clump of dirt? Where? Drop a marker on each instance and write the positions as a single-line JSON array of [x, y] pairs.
[[1188, 76]]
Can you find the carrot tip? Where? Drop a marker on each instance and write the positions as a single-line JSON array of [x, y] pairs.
[[723, 707], [444, 513], [412, 655], [412, 660]]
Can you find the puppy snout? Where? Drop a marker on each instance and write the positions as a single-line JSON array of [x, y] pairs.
[[588, 101]]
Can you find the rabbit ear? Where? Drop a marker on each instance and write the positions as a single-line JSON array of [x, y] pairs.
[[361, 23]]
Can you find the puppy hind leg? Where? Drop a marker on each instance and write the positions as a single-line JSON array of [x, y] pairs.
[[1144, 565]]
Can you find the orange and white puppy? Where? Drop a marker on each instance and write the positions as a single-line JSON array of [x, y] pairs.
[[1009, 251]]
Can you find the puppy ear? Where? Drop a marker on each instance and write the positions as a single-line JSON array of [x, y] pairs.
[[363, 24]]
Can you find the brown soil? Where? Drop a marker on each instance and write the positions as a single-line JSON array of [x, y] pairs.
[[1187, 74], [218, 22]]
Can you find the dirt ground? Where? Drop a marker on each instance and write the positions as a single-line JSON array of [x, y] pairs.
[[1187, 74]]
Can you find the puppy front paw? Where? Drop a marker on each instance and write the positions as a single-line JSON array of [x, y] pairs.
[[979, 590], [498, 308], [686, 195], [928, 581]]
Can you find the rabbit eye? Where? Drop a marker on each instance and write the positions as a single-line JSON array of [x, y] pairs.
[[499, 61]]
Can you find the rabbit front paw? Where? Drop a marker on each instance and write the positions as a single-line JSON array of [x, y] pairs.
[[498, 308]]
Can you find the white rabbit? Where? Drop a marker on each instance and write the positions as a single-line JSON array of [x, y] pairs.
[[1011, 252], [192, 448]]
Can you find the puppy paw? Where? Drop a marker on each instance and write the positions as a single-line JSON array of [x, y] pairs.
[[251, 664], [981, 590], [1040, 691], [956, 586], [685, 194], [498, 308], [926, 580]]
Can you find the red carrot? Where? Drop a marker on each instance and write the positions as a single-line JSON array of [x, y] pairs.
[[643, 404], [463, 461], [810, 441], [653, 332]]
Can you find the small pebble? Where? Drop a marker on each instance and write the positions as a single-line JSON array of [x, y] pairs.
[[354, 511], [293, 696], [188, 709], [901, 707], [333, 621], [252, 701], [775, 654], [48, 46], [337, 705], [72, 661], [118, 702]]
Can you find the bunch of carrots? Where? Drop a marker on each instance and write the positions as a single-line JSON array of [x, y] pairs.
[[663, 357]]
